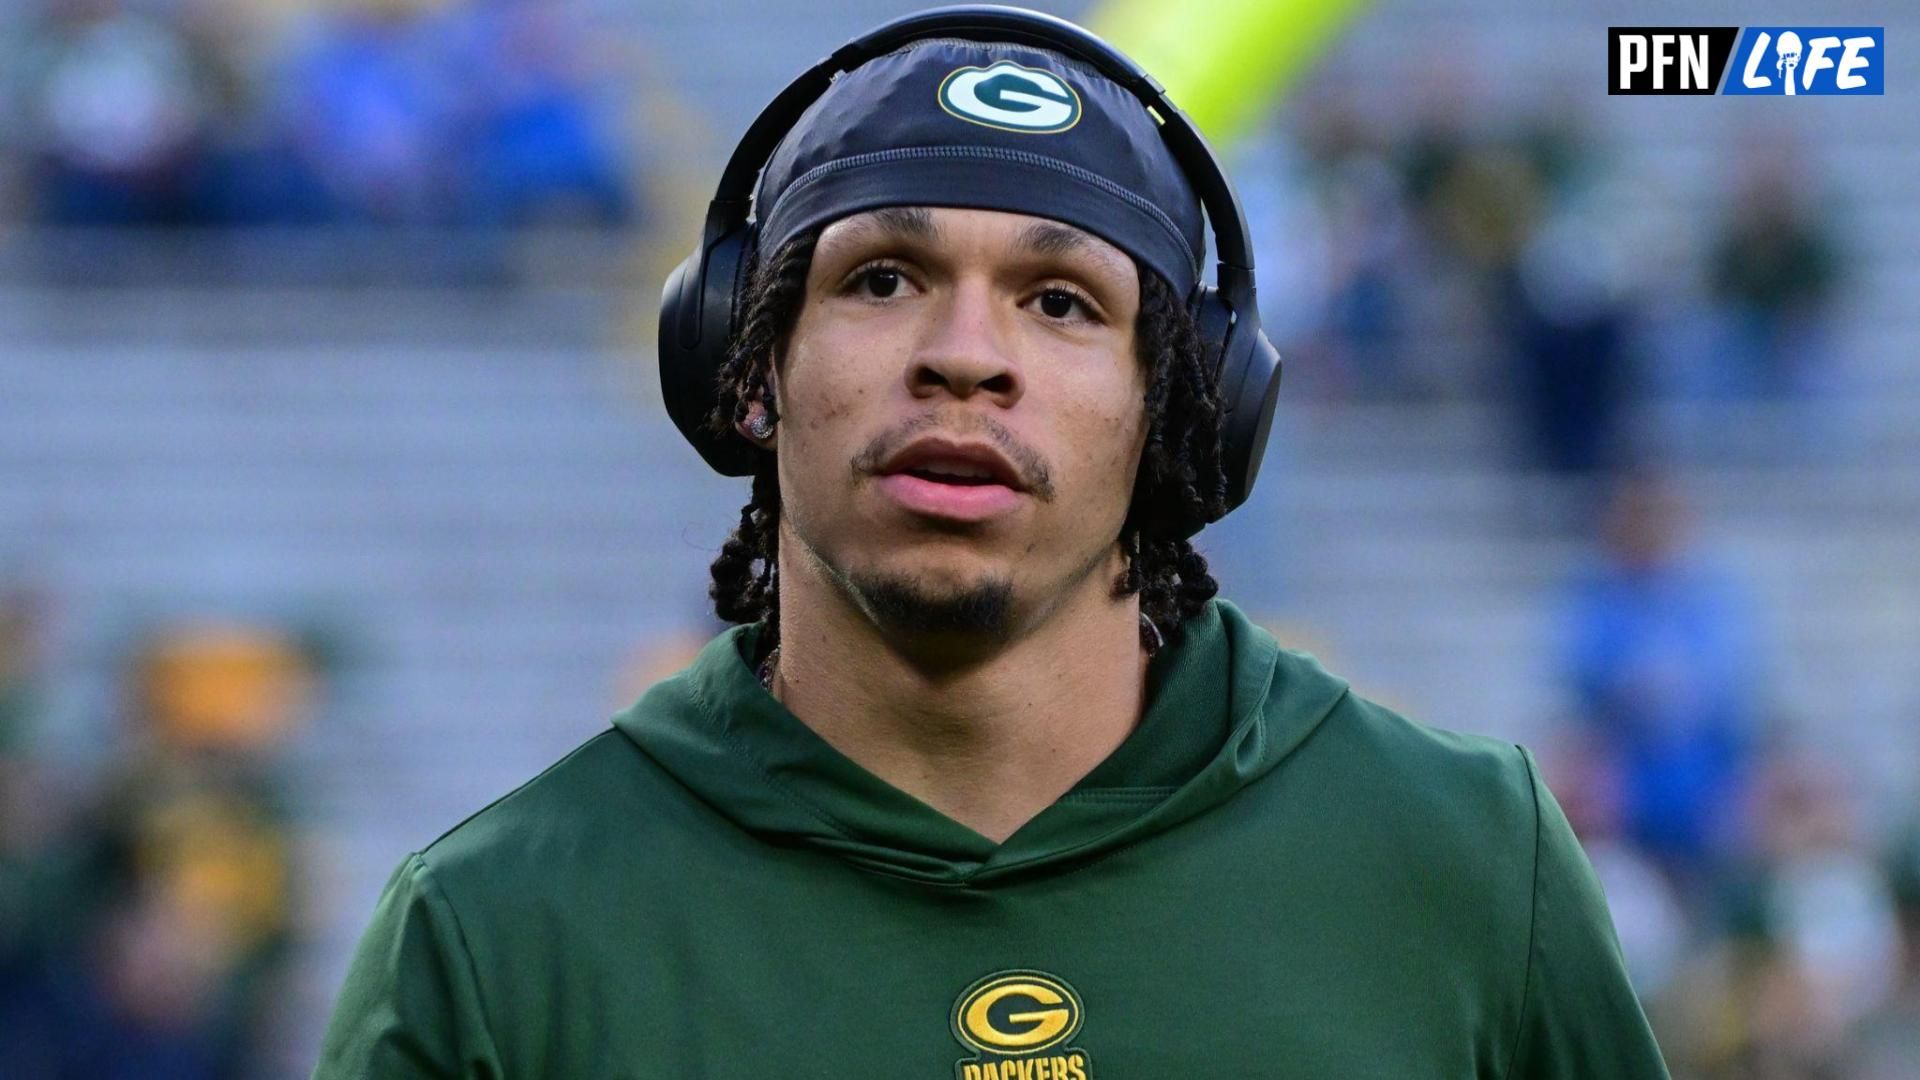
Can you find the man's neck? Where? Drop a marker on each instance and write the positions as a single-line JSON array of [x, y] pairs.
[[989, 743]]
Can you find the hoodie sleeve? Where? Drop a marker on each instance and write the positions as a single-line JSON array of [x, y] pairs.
[[1580, 1019], [411, 1004]]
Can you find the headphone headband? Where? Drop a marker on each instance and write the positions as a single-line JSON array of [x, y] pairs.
[[733, 198]]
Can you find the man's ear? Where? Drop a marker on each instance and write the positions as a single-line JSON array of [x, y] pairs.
[[758, 426]]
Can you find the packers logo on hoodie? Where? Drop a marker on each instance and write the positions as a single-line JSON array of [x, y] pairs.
[[1019, 1023]]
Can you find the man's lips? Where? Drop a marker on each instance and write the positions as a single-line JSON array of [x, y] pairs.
[[961, 481], [957, 479], [957, 502], [946, 460]]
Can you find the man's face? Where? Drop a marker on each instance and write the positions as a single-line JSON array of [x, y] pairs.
[[962, 416]]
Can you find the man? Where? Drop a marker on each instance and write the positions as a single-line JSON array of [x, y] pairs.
[[988, 785]]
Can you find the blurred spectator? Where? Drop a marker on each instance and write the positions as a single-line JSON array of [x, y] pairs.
[[1660, 658], [1441, 132], [163, 914], [1504, 208], [365, 112], [1773, 273], [1568, 322], [417, 112], [1568, 302], [121, 111], [1285, 225], [1361, 347], [1366, 308], [1442, 306], [1460, 257], [1481, 199], [381, 112], [1814, 948], [1825, 897], [1889, 1042], [536, 147], [24, 824], [21, 615]]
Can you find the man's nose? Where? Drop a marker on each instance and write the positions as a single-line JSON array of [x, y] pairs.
[[965, 350]]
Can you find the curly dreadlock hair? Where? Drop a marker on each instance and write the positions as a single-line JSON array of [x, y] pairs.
[[1181, 479]]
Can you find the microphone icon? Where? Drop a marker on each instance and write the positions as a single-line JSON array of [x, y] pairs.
[[1788, 50]]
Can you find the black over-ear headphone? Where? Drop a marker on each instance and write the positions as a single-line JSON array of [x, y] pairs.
[[699, 307]]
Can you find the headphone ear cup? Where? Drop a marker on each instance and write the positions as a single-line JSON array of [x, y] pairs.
[[726, 286], [697, 313], [1247, 373], [1215, 319], [1249, 387]]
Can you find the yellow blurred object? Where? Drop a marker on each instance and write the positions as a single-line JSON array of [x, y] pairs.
[[221, 866], [232, 687], [1225, 62]]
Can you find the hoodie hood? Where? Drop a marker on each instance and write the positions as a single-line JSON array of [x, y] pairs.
[[1224, 707]]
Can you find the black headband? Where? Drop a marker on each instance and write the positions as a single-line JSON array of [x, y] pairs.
[[991, 126]]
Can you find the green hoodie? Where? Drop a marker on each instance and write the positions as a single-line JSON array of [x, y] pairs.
[[1271, 877]]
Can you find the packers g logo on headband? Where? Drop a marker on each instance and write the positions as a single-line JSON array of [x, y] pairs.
[[1010, 97], [1019, 1021]]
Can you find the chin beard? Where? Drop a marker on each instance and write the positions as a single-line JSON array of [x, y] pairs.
[[904, 605]]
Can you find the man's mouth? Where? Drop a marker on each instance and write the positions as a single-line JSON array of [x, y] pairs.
[[967, 499], [963, 475], [947, 476], [941, 460], [941, 478]]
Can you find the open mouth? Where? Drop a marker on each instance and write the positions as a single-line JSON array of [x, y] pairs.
[[937, 476], [955, 481]]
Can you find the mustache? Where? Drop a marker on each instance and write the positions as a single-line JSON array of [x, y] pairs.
[[1031, 467]]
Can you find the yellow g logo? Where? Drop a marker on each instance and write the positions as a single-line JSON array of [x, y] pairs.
[[1016, 1012]]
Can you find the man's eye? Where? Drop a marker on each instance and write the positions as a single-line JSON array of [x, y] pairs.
[[881, 281], [1057, 303]]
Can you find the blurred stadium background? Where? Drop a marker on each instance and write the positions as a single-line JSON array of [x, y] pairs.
[[336, 500]]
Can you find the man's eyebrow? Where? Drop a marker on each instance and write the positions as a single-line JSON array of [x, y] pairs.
[[913, 222], [1053, 238]]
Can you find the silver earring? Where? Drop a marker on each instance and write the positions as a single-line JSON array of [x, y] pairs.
[[760, 425]]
